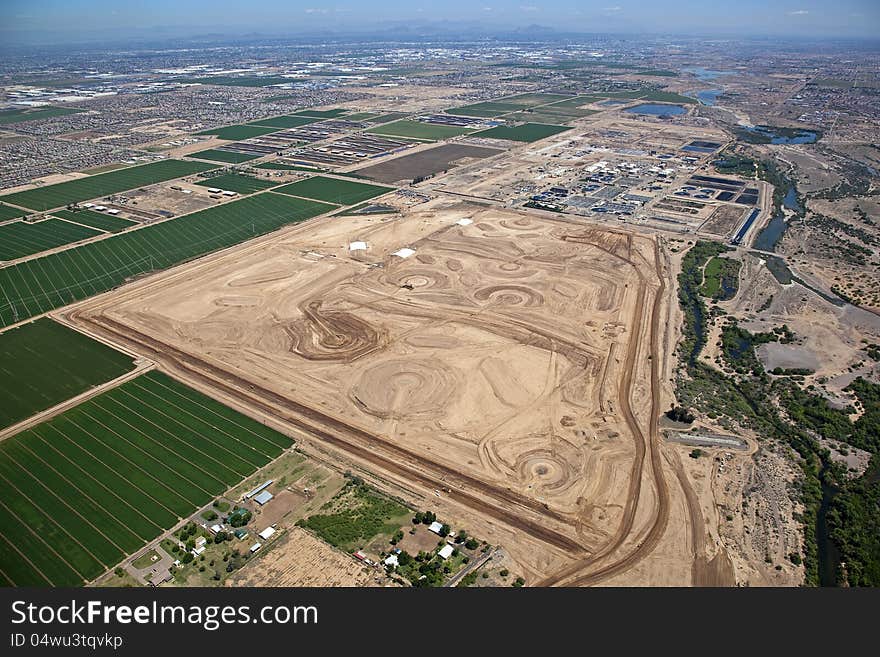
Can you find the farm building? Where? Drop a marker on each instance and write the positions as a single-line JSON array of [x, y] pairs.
[[446, 552], [435, 527], [263, 497]]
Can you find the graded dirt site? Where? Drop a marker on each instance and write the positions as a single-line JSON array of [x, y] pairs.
[[499, 365]]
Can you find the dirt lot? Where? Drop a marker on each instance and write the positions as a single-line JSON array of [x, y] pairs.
[[503, 374], [424, 163], [300, 559]]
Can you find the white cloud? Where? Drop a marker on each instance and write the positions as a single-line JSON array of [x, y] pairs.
[[528, 8], [612, 9], [798, 12], [316, 11]]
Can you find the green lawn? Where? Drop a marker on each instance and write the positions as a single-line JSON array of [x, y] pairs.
[[42, 284], [332, 190], [105, 184], [229, 157], [236, 132], [21, 115], [44, 363], [19, 239], [235, 182], [287, 121], [107, 222], [420, 130], [98, 482], [526, 132]]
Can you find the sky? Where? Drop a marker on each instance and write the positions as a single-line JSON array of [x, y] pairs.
[[74, 19]]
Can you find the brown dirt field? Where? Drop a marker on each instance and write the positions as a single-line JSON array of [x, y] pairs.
[[422, 540], [505, 373], [424, 163], [300, 559]]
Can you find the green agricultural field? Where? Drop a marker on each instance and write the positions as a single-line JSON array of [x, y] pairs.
[[9, 212], [236, 132], [105, 184], [19, 239], [362, 116], [534, 100], [419, 130], [322, 114], [98, 482], [229, 157], [288, 121], [21, 115], [42, 284], [332, 190], [282, 166], [235, 182], [485, 110], [525, 132], [385, 118], [44, 363], [651, 95], [106, 222]]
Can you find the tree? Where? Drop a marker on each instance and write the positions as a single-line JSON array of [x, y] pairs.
[[444, 530], [187, 558]]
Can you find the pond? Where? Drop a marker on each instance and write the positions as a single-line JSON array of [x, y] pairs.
[[784, 135], [707, 97], [657, 109]]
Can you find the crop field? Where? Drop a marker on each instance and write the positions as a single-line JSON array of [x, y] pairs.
[[42, 284], [525, 132], [420, 130], [230, 157], [322, 114], [19, 239], [106, 222], [44, 363], [332, 190], [283, 166], [653, 95], [113, 182], [485, 110], [21, 115], [9, 212], [84, 489], [236, 132], [235, 182], [534, 100], [287, 121]]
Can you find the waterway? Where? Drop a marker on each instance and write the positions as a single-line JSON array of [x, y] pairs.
[[773, 231], [657, 109], [828, 554], [777, 137]]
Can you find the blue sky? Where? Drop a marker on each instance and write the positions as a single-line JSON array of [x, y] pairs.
[[760, 17]]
